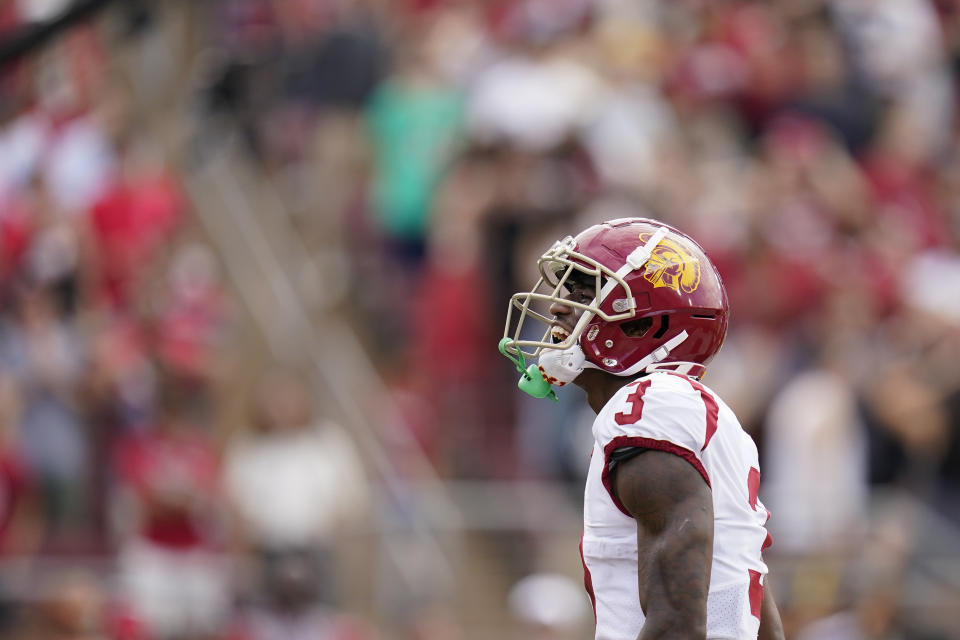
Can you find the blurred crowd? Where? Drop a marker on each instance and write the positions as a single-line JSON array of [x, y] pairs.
[[124, 512], [811, 146]]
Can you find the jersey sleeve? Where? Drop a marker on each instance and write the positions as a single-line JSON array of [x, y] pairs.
[[664, 412]]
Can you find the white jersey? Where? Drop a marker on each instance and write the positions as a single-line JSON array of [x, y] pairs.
[[675, 413]]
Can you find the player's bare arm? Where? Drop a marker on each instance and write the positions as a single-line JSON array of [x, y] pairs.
[[771, 627], [673, 507]]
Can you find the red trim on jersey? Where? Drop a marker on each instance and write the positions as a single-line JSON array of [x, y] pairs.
[[753, 487], [645, 443], [588, 580], [709, 402], [755, 592], [767, 542]]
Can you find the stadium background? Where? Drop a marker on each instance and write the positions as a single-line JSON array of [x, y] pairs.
[[254, 262]]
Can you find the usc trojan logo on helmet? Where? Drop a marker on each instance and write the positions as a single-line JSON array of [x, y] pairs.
[[671, 265]]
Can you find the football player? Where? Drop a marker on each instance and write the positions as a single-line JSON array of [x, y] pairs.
[[632, 311]]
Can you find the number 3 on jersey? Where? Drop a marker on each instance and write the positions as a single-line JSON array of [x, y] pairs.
[[636, 404]]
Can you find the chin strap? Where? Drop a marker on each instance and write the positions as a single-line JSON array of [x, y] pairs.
[[558, 367], [692, 369], [656, 355]]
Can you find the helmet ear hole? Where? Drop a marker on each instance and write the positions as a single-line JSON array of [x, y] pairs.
[[637, 328]]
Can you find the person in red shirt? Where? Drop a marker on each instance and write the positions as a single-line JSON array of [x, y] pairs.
[[170, 561]]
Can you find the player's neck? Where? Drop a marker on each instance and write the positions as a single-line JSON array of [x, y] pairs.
[[600, 387]]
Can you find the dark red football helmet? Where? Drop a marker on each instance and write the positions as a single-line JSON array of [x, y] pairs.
[[658, 300]]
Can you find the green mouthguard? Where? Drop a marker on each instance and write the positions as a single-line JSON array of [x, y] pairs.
[[531, 380]]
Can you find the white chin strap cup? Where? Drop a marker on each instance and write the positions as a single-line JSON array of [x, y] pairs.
[[560, 367]]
